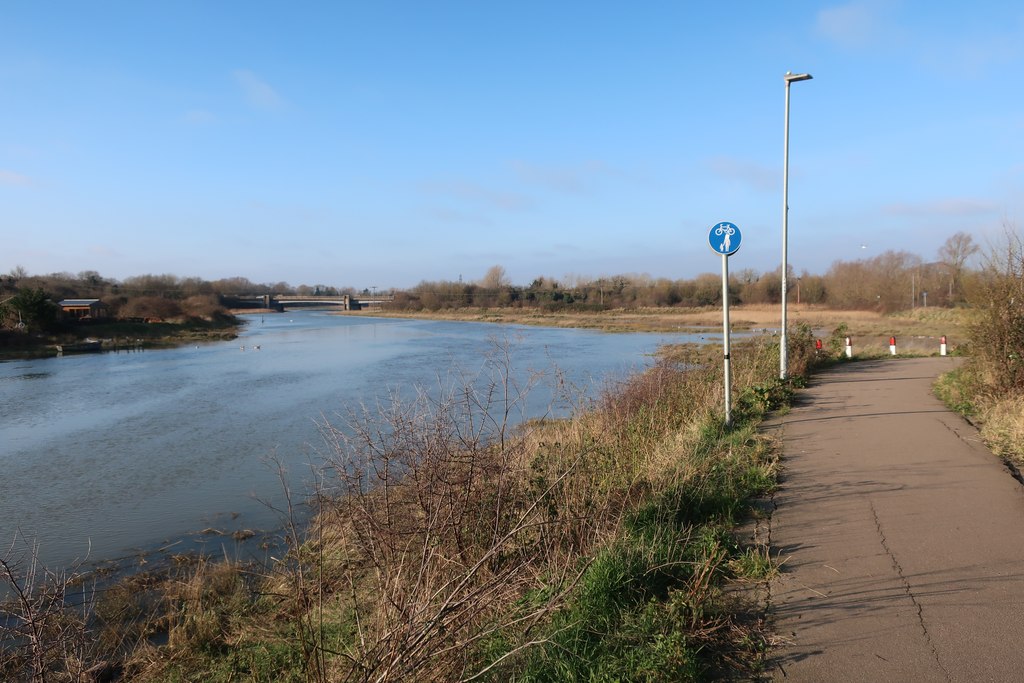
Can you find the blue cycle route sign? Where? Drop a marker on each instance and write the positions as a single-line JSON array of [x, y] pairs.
[[725, 238]]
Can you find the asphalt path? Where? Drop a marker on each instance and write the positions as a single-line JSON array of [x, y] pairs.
[[901, 536]]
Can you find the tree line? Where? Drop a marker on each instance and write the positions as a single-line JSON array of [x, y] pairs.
[[30, 301], [894, 280]]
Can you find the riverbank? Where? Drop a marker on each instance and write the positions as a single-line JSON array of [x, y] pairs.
[[918, 330], [600, 542], [120, 335]]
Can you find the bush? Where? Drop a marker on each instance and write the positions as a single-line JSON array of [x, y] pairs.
[[837, 340], [996, 355], [204, 306], [151, 307], [990, 384]]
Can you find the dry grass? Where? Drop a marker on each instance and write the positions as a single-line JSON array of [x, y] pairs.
[[919, 329], [446, 515], [1003, 428]]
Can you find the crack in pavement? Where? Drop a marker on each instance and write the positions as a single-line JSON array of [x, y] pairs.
[[974, 440], [773, 507], [908, 590]]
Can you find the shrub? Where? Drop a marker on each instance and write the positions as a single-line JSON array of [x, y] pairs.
[[151, 307]]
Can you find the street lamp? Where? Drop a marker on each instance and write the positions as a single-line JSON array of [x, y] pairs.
[[788, 78]]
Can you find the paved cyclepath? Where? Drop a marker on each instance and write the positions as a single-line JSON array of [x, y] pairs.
[[902, 536]]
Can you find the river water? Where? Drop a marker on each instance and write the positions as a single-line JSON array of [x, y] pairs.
[[108, 455]]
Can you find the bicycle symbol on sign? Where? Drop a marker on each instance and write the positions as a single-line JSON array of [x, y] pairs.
[[728, 230]]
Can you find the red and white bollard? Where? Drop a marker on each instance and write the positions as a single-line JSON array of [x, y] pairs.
[[849, 348], [942, 345], [892, 345]]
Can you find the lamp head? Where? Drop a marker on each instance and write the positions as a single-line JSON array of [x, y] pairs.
[[792, 77]]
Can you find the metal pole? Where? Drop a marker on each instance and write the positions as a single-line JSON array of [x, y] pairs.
[[783, 355], [783, 351], [725, 339]]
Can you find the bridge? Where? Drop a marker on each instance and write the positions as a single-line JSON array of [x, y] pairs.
[[346, 302]]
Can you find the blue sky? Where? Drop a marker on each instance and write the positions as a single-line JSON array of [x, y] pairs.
[[385, 143]]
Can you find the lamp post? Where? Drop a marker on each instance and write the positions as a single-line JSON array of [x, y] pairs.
[[788, 78]]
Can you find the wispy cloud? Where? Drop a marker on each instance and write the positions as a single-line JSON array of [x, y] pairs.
[[971, 56], [758, 177], [573, 179], [942, 207], [477, 194], [877, 26], [12, 178], [453, 217], [258, 92], [855, 25]]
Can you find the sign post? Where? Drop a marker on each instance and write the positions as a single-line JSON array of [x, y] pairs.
[[724, 238]]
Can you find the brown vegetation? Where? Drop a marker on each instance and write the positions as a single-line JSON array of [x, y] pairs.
[[918, 331], [891, 281], [990, 386], [31, 322]]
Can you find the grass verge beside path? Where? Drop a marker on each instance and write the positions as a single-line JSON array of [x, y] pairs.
[[999, 417]]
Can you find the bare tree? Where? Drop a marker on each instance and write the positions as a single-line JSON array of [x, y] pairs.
[[954, 253], [495, 278], [881, 283], [998, 297]]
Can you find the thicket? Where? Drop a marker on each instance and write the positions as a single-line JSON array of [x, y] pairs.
[[457, 540], [990, 385]]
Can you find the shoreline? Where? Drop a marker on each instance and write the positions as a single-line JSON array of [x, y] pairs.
[[122, 336], [870, 328]]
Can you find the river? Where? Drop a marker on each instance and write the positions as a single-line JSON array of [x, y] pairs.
[[111, 455]]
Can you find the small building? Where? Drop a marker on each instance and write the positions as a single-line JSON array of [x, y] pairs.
[[78, 309]]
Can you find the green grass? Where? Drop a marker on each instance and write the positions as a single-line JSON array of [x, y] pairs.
[[955, 389], [651, 607], [259, 662], [754, 564]]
